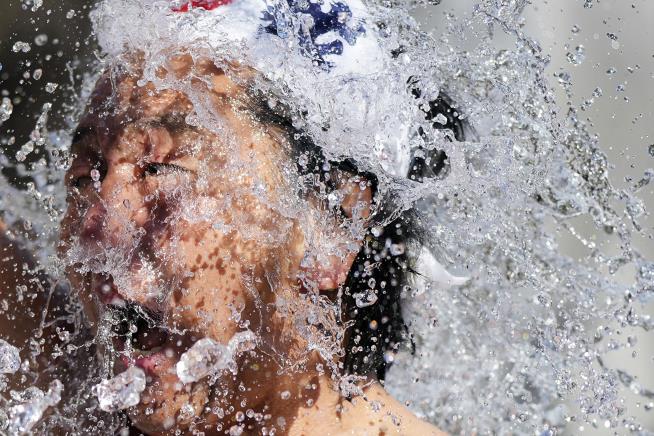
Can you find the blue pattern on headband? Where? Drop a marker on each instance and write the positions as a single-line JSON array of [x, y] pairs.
[[313, 23]]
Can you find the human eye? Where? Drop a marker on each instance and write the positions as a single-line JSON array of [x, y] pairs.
[[154, 169], [83, 175], [81, 182]]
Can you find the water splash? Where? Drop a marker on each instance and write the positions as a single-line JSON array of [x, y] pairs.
[[32, 404], [497, 352], [121, 391], [9, 358]]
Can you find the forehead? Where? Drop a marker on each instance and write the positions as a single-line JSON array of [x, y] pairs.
[[119, 102], [120, 105]]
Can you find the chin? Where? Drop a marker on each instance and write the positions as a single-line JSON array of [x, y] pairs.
[[167, 405]]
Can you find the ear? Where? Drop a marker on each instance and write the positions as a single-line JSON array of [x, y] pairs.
[[344, 235]]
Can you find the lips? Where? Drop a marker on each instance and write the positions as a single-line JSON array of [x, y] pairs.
[[138, 333]]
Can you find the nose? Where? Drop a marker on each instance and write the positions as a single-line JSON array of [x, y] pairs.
[[111, 204], [93, 222]]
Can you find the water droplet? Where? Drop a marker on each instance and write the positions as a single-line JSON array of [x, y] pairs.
[[6, 109], [21, 46], [578, 56], [36, 5], [95, 175], [441, 119], [205, 357], [242, 342], [236, 430], [121, 391], [34, 402], [9, 358], [397, 249], [51, 87], [366, 298], [41, 39], [26, 149]]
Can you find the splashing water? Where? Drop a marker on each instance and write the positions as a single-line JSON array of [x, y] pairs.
[[32, 403], [9, 358], [207, 357], [503, 340], [121, 391]]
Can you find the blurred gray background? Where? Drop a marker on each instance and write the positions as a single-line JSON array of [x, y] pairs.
[[617, 35], [618, 41]]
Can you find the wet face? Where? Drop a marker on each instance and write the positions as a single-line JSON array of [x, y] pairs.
[[176, 232]]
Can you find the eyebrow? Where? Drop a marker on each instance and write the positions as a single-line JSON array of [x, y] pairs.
[[174, 122]]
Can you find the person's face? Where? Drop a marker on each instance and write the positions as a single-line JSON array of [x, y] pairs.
[[202, 231]]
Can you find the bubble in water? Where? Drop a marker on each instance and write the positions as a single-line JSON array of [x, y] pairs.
[[9, 358], [121, 391]]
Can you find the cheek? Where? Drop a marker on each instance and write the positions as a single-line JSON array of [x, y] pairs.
[[212, 291]]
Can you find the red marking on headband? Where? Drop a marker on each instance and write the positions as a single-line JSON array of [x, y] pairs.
[[204, 4]]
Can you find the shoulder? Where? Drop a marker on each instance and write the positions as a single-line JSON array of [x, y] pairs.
[[378, 413]]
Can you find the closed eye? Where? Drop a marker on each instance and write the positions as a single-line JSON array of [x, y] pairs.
[[161, 168]]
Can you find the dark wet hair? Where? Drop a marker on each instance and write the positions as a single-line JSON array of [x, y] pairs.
[[383, 264]]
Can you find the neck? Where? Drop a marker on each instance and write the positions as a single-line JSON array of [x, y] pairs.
[[374, 413]]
